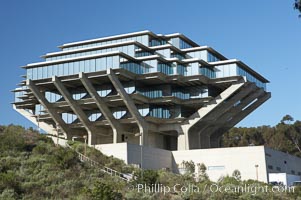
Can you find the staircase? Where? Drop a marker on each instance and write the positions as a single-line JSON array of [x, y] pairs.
[[107, 170]]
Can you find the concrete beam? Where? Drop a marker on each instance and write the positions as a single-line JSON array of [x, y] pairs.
[[50, 109], [142, 124], [77, 110], [217, 131], [116, 126], [239, 115], [246, 111], [209, 122], [244, 102], [195, 119]]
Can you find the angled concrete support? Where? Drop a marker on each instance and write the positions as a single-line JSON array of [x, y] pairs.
[[194, 119], [51, 111], [210, 124], [240, 112], [143, 126], [238, 108], [48, 128], [116, 126], [247, 110], [77, 110]]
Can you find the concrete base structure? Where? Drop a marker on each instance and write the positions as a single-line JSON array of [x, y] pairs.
[[254, 162]]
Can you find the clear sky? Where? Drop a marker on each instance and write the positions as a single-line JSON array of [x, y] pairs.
[[266, 35]]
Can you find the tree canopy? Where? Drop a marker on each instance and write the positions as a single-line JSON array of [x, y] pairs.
[[285, 136], [297, 6]]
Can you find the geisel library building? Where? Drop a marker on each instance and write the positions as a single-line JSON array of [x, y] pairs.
[[140, 94]]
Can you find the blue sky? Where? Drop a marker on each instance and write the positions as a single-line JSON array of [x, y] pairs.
[[263, 34]]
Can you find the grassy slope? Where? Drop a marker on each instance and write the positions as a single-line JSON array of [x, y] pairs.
[[32, 167]]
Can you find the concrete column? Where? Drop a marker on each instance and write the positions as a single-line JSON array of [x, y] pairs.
[[182, 142], [205, 141], [142, 124], [104, 109], [56, 117], [215, 140]]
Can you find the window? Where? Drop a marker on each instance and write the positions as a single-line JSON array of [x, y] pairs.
[[165, 68], [216, 167], [94, 116]]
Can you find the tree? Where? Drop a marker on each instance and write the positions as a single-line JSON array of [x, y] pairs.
[[202, 172], [297, 6], [287, 119], [236, 174]]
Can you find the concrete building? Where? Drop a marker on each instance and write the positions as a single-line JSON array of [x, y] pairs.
[[162, 91], [253, 162]]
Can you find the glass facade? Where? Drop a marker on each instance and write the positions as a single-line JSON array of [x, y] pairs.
[[53, 97], [69, 118], [181, 70], [156, 42], [203, 55], [135, 67], [206, 71], [177, 55], [19, 93], [143, 53], [128, 49], [212, 58], [164, 53], [165, 68], [143, 110], [181, 94], [74, 67], [179, 43], [118, 114], [236, 70], [160, 112], [94, 116], [143, 39], [97, 59], [151, 93]]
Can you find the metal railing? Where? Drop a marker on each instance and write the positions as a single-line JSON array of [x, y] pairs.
[[107, 170]]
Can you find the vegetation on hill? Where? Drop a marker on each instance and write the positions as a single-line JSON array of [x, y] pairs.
[[32, 167], [285, 136]]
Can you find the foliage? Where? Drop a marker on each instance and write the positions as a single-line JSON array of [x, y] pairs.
[[32, 167], [202, 172], [236, 174], [147, 177], [297, 6], [189, 166], [285, 136], [104, 191]]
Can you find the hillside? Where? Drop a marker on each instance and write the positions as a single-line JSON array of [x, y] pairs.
[[32, 167]]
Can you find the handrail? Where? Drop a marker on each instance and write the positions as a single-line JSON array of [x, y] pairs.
[[104, 169]]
